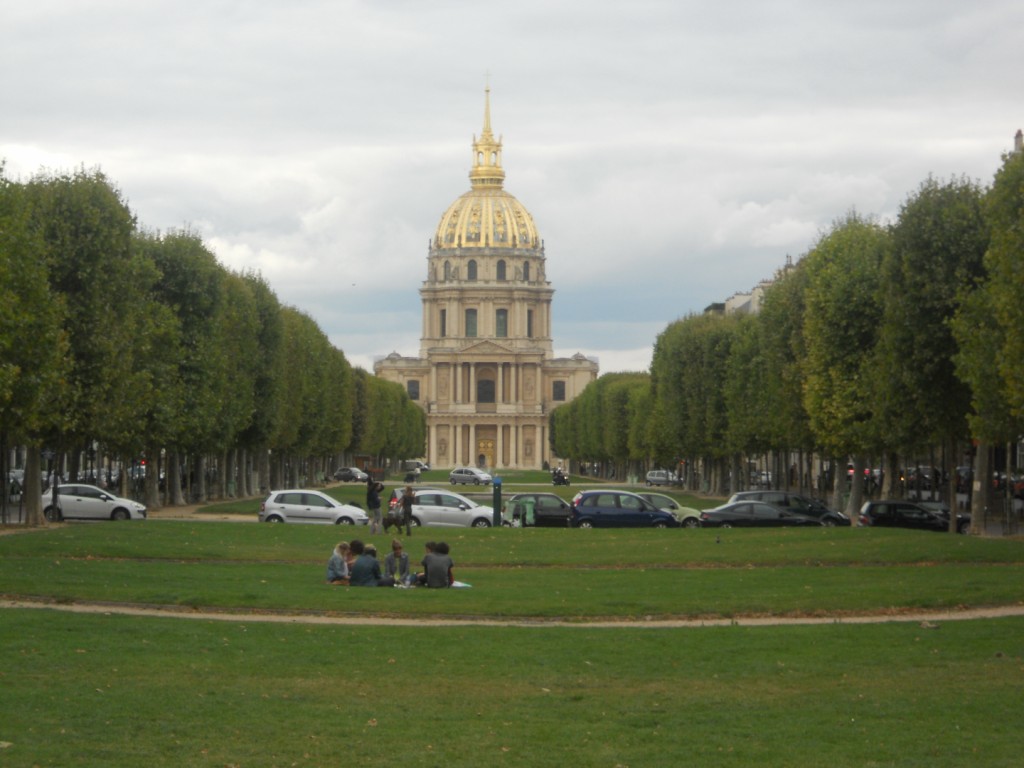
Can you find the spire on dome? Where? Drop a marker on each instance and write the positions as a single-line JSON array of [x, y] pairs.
[[487, 114], [487, 171]]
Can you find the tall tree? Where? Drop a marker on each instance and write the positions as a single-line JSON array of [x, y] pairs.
[[33, 345], [988, 328], [841, 321], [938, 244], [1004, 263], [786, 422], [105, 286]]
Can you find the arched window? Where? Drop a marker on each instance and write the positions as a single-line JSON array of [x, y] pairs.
[[501, 269], [501, 323], [447, 271], [526, 271], [471, 270]]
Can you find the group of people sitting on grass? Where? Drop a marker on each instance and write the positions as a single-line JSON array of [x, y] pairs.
[[355, 564]]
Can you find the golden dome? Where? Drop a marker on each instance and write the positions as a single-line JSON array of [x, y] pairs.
[[487, 216]]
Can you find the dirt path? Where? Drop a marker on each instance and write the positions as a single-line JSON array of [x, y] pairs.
[[927, 619]]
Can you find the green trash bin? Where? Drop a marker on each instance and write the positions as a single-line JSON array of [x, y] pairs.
[[528, 511]]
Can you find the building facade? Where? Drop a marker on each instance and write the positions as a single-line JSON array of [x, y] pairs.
[[486, 374]]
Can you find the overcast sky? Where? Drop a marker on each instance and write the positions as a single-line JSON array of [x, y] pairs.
[[672, 153]]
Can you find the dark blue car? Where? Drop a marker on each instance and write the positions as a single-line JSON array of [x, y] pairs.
[[617, 509]]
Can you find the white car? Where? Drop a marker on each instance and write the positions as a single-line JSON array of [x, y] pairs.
[[660, 477], [688, 517], [87, 502], [468, 476], [303, 506], [447, 509]]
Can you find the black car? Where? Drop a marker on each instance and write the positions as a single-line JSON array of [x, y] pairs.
[[617, 509], [548, 510], [794, 502], [753, 514], [907, 514]]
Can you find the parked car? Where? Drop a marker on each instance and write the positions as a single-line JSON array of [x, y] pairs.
[[548, 509], [351, 475], [433, 506], [617, 509], [908, 514], [753, 514], [469, 476], [794, 502], [660, 477], [87, 502], [688, 517], [305, 506]]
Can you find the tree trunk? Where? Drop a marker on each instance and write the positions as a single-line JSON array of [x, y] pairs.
[[199, 490], [222, 476], [856, 487], [174, 480], [31, 493], [263, 457], [979, 485], [151, 481]]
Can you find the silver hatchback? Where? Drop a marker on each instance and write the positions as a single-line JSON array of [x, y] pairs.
[[433, 506], [76, 501], [468, 476], [304, 506]]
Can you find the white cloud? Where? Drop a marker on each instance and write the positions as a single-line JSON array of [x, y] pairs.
[[671, 152]]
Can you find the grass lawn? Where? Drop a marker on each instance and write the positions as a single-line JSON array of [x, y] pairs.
[[110, 690]]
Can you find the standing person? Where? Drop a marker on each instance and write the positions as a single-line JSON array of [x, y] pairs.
[[373, 489], [337, 566], [408, 497], [396, 564], [366, 569]]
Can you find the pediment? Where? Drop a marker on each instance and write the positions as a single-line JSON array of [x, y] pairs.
[[486, 348]]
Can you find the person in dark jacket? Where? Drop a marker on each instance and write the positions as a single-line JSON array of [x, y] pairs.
[[373, 489], [407, 500]]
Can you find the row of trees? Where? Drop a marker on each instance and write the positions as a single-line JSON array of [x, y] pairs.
[[125, 343], [888, 344]]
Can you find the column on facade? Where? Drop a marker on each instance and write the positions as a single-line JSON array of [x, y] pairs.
[[472, 384], [472, 444], [499, 395]]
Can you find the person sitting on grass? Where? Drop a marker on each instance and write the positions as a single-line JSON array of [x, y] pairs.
[[366, 569], [396, 564], [337, 566], [437, 566], [421, 578]]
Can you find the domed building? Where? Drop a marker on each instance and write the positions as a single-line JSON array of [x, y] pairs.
[[486, 375]]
